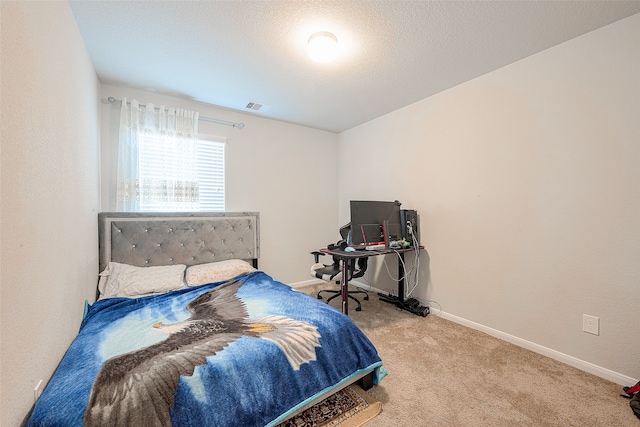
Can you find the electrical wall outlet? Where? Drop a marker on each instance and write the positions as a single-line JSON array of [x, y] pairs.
[[591, 324], [37, 391]]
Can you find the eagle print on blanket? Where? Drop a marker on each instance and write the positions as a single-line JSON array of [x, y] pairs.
[[248, 352], [147, 379]]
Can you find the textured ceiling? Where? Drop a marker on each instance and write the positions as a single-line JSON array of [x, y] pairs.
[[393, 53]]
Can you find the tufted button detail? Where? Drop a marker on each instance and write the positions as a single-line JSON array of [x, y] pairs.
[[158, 244], [133, 246]]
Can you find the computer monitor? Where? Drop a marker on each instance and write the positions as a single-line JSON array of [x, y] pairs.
[[368, 219]]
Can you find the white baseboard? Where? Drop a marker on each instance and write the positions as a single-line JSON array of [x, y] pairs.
[[305, 283], [596, 370]]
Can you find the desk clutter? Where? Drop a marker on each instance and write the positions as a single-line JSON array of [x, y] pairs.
[[376, 228]]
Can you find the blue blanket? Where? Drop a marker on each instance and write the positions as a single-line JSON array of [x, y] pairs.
[[248, 352]]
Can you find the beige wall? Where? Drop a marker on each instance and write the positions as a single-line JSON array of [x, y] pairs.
[[527, 181], [50, 188], [286, 172]]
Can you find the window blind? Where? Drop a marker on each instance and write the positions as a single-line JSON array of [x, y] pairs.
[[159, 165], [211, 173]]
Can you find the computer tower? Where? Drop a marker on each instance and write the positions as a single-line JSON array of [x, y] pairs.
[[409, 216]]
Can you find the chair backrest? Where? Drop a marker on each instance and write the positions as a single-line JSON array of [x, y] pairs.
[[360, 269], [345, 230], [359, 266]]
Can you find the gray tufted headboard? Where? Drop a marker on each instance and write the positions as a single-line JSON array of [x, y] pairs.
[[149, 239]]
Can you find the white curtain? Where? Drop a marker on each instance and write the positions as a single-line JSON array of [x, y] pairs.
[[157, 159]]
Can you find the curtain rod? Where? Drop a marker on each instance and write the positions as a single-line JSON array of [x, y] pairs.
[[113, 100]]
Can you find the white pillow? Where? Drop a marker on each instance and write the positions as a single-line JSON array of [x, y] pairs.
[[217, 271], [128, 281]]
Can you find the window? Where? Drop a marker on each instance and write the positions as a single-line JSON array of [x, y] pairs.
[[164, 186], [211, 174]]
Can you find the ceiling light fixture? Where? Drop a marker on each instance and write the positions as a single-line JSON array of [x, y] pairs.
[[323, 46]]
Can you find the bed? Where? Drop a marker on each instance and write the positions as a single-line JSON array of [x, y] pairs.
[[187, 331]]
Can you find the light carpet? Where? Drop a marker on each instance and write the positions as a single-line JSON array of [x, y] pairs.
[[441, 373]]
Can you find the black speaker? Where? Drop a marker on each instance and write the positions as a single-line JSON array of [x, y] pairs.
[[409, 219]]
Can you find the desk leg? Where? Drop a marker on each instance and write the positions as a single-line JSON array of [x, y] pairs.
[[399, 301], [344, 283]]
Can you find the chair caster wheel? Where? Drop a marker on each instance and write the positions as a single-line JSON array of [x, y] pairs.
[[366, 298], [358, 308], [319, 297]]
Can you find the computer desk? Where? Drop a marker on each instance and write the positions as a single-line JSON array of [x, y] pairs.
[[349, 257]]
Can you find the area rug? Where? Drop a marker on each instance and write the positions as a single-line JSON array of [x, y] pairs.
[[349, 407]]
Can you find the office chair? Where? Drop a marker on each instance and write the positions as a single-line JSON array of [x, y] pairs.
[[333, 272]]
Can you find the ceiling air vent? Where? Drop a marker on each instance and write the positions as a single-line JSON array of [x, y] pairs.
[[254, 106]]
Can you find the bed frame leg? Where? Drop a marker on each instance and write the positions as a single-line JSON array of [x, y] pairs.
[[366, 382]]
